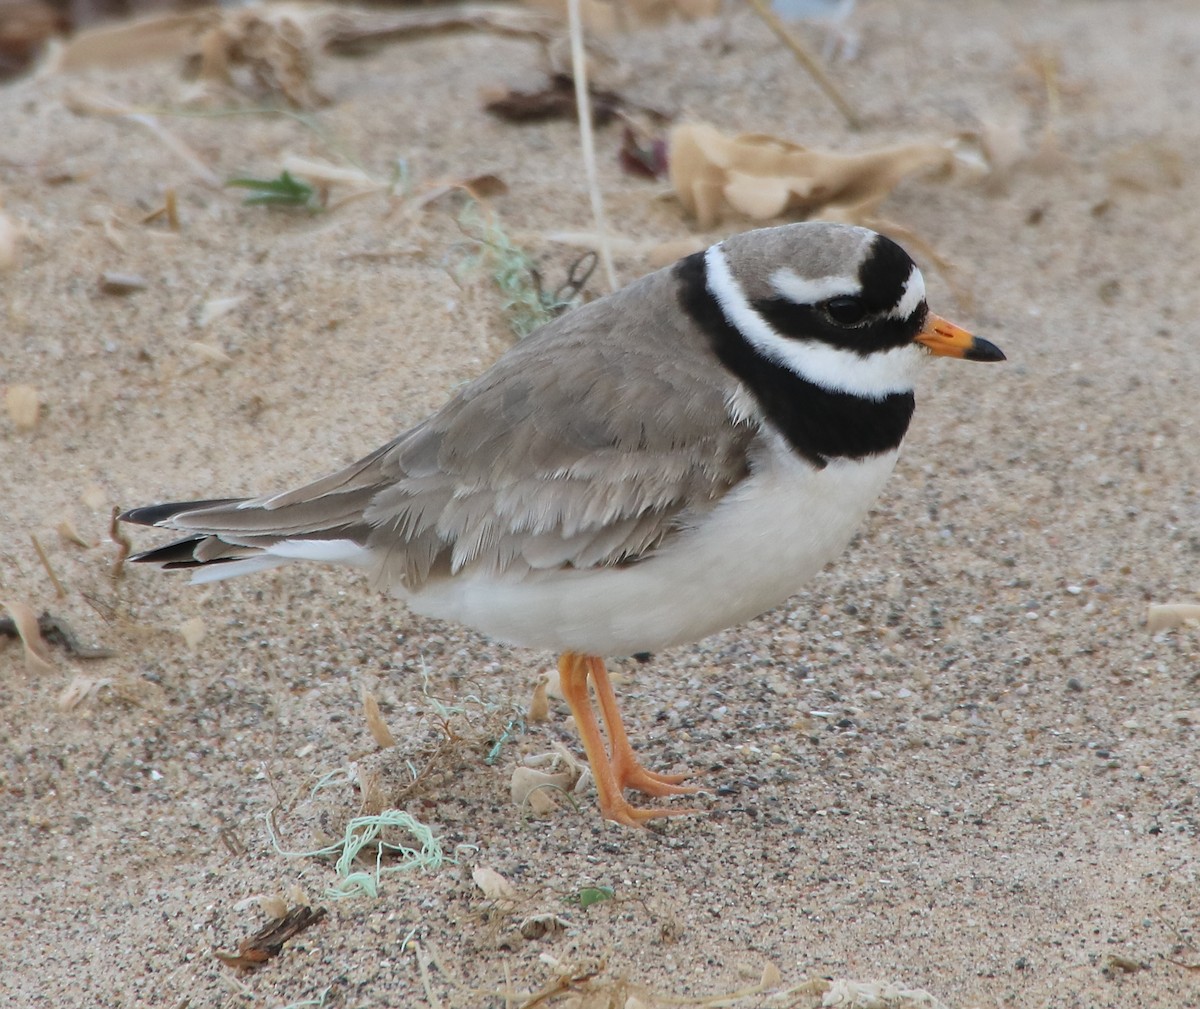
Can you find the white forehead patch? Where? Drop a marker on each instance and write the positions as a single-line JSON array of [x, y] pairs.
[[914, 294], [812, 290]]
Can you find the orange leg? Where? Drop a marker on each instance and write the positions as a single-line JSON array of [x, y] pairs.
[[628, 769], [573, 670]]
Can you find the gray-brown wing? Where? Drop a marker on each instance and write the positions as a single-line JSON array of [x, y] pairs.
[[587, 444]]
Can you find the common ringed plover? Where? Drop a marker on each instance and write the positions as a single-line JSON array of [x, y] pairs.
[[644, 471]]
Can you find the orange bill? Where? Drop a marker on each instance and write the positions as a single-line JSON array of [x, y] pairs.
[[948, 340]]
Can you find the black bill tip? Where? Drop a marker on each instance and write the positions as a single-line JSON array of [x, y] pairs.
[[984, 350]]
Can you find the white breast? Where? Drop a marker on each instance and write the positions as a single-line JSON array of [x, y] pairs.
[[764, 540]]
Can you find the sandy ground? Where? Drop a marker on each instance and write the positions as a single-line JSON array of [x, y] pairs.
[[958, 761]]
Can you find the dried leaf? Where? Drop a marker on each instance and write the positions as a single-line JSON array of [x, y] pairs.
[[273, 50], [209, 352], [482, 187], [122, 283], [80, 689], [193, 631], [1125, 964], [277, 47], [374, 794], [877, 995], [538, 926], [716, 176], [268, 941], [23, 405], [123, 45], [274, 906], [532, 788], [54, 630], [324, 173], [494, 886], [217, 308], [379, 729], [554, 101], [66, 531], [1164, 616], [539, 706], [643, 153], [37, 652]]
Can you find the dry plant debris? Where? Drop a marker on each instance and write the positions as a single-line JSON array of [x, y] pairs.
[[117, 534], [608, 17], [168, 212], [112, 282], [69, 534], [269, 940], [21, 623], [25, 26], [643, 153], [527, 304], [47, 566], [276, 45], [529, 787], [539, 704], [806, 60], [193, 631], [92, 104], [761, 177], [49, 630], [556, 100], [1165, 616], [80, 689], [208, 353], [846, 994], [535, 782], [375, 721], [141, 40], [23, 405], [494, 886], [272, 50]]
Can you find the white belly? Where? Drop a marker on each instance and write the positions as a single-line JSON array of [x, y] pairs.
[[760, 545]]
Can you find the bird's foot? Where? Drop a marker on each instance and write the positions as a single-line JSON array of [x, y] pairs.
[[631, 774], [618, 809]]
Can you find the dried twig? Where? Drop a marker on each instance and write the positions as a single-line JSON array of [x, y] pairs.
[[586, 140], [808, 61], [58, 586], [96, 105], [124, 546]]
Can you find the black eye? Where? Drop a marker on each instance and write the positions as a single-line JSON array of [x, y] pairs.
[[846, 310]]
